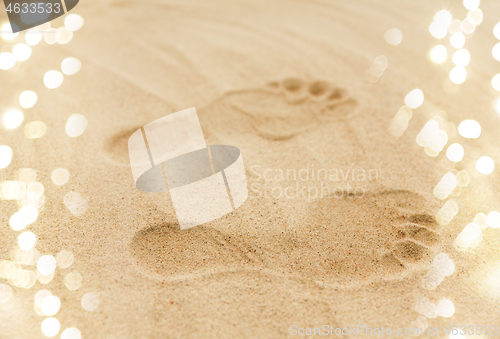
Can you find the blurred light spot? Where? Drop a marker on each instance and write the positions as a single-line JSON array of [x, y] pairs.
[[28, 258], [12, 190], [60, 176], [73, 22], [455, 27], [50, 327], [39, 296], [7, 33], [66, 36], [457, 40], [71, 333], [76, 125], [476, 16], [28, 99], [445, 308], [90, 301], [443, 18], [485, 165], [471, 4], [26, 240], [470, 237], [414, 99], [51, 305], [469, 129], [493, 219], [495, 82], [458, 75], [44, 279], [428, 133], [33, 37], [53, 79], [495, 51], [34, 130], [7, 60], [5, 156], [445, 186], [71, 66], [12, 119], [420, 323], [52, 36], [64, 259], [481, 220], [461, 57], [468, 26], [438, 54], [5, 293], [447, 213], [35, 190], [496, 31], [438, 31], [463, 178], [399, 123], [455, 152], [393, 36], [75, 203], [22, 52], [73, 281], [24, 217], [46, 264]]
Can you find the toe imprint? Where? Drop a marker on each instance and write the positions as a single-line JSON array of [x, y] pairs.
[[410, 251]]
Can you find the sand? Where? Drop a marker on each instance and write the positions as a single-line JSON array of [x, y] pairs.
[[285, 82]]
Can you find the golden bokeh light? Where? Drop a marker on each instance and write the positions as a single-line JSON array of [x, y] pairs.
[[50, 305], [438, 54], [493, 219], [26, 175], [76, 125], [5, 293], [26, 240], [71, 333], [461, 57], [64, 259], [12, 119], [22, 52], [5, 156], [438, 31], [46, 265], [443, 18], [496, 51], [75, 203], [485, 165], [476, 16], [65, 37], [51, 36], [33, 37], [458, 75], [7, 60], [34, 129], [463, 178], [90, 301], [50, 327], [12, 190], [24, 217], [70, 66], [53, 79], [73, 281], [414, 99], [481, 220], [28, 99], [7, 33], [469, 129], [73, 22], [393, 36], [428, 133], [60, 176], [496, 31], [495, 82], [470, 237], [455, 152], [471, 4], [445, 308], [457, 40], [447, 213], [468, 26], [445, 186]]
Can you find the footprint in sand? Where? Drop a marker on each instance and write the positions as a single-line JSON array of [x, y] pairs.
[[280, 110], [345, 241]]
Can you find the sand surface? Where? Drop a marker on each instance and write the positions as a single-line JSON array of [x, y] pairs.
[[285, 82]]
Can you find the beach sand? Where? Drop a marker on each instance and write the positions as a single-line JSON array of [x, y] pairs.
[[285, 82]]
